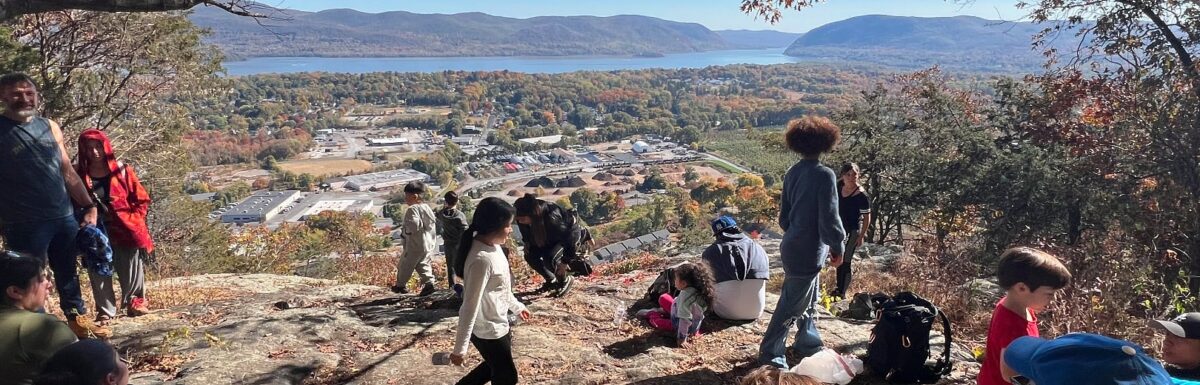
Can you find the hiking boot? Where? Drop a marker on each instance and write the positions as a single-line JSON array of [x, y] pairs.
[[564, 287], [428, 290], [84, 328], [102, 320], [398, 289], [137, 307]]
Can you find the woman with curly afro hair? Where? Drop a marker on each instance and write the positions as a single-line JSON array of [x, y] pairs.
[[813, 237]]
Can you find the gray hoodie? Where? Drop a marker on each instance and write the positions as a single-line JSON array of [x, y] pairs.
[[734, 256], [809, 218]]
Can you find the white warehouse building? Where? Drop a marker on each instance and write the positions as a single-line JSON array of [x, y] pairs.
[[259, 207], [384, 179]]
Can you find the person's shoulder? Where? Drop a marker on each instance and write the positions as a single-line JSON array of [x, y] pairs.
[[39, 323]]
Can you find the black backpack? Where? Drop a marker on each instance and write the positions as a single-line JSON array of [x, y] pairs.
[[864, 306], [663, 284], [899, 344], [580, 264]]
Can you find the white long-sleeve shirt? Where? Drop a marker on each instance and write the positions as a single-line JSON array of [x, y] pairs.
[[487, 296]]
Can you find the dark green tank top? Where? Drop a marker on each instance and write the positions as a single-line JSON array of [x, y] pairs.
[[31, 181]]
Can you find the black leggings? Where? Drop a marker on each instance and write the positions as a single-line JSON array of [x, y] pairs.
[[497, 366]]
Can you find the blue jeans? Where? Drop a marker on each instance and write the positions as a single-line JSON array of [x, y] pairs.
[[796, 307], [54, 240]]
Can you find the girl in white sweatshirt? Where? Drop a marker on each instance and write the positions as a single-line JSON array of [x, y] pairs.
[[487, 295]]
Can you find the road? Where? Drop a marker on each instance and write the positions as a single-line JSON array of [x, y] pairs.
[[352, 146], [717, 158]]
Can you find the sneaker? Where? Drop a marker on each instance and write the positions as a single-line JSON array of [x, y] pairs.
[[399, 289], [137, 307], [548, 286], [102, 320], [427, 290], [564, 287], [84, 328]]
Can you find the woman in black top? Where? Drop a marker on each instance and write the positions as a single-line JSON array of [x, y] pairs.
[[549, 233], [854, 207]]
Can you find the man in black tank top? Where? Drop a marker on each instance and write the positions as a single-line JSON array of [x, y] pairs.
[[41, 194]]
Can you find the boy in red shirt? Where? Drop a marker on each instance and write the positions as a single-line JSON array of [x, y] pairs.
[[1030, 278]]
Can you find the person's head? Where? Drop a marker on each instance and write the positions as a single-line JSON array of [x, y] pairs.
[[87, 362], [723, 224], [451, 198], [770, 375], [492, 223], [531, 212], [529, 208], [25, 281], [849, 173], [698, 276], [1182, 344], [94, 149], [1031, 276], [1081, 358], [413, 191], [20, 95], [811, 136]]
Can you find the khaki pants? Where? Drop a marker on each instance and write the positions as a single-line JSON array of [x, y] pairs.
[[130, 271], [414, 261]]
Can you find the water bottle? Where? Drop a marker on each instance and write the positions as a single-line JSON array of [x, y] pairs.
[[514, 319], [619, 314]]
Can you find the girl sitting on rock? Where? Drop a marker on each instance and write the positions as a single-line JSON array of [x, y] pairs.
[[683, 314]]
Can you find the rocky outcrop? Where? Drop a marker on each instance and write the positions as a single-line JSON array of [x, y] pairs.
[[267, 329]]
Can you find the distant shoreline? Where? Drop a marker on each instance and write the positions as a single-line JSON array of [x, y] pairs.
[[230, 58]]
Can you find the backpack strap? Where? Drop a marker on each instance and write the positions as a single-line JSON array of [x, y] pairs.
[[944, 364]]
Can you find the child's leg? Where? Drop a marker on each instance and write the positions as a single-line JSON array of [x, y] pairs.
[[661, 321], [665, 301]]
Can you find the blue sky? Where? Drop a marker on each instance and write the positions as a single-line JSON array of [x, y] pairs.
[[715, 14]]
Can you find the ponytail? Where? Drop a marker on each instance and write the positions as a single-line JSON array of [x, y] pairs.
[[464, 248]]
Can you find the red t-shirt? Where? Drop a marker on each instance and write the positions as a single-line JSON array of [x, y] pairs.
[[1006, 326]]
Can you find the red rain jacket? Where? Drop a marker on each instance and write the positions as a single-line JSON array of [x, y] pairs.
[[128, 201]]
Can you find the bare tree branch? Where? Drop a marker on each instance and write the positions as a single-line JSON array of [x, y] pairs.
[[10, 9]]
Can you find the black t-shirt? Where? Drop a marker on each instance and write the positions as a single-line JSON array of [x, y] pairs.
[[1184, 374], [101, 187], [852, 208]]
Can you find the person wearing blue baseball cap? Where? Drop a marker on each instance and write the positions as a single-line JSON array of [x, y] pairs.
[[1081, 358], [740, 268]]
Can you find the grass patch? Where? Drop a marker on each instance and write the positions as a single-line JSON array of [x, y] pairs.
[[322, 167]]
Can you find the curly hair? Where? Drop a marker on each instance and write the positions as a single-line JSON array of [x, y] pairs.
[[769, 375], [699, 276], [812, 135]]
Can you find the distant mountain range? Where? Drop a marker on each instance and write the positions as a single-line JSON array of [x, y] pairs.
[[350, 33], [957, 42], [962, 42], [746, 39]]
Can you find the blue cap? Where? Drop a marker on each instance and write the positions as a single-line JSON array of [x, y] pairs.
[[722, 223], [1081, 358]]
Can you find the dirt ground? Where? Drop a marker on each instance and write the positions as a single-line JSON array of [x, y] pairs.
[[321, 167]]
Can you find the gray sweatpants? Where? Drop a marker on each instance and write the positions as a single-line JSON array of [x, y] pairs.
[[131, 274], [414, 261]]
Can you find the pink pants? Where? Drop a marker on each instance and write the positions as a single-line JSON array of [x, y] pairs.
[[661, 319]]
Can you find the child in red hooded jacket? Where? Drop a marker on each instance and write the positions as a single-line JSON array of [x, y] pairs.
[[123, 205]]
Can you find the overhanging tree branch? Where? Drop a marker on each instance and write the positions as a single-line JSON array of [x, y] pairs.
[[10, 9]]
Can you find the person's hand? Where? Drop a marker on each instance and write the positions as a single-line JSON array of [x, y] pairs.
[[835, 259], [525, 315], [89, 217], [456, 359]]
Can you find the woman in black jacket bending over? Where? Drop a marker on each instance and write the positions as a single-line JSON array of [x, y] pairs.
[[550, 234]]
